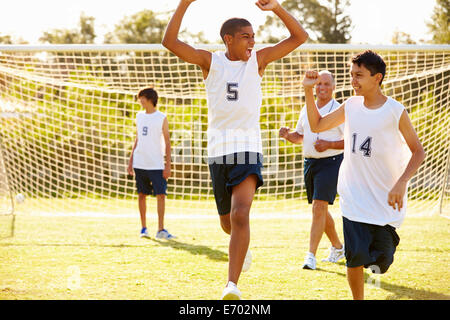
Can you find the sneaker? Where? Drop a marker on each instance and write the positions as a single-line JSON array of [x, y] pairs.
[[164, 234], [247, 261], [310, 262], [231, 292], [144, 233], [335, 255]]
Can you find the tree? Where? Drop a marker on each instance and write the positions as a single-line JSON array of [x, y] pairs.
[[141, 27], [85, 33], [440, 22], [400, 37], [147, 26], [87, 29], [327, 22], [8, 39]]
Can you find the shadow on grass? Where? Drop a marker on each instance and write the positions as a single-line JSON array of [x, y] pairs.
[[212, 254], [191, 248], [194, 249], [398, 291]]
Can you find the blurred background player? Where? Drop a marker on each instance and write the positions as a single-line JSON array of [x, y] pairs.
[[233, 85], [147, 159], [323, 154]]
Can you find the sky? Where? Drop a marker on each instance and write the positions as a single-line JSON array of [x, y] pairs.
[[374, 21]]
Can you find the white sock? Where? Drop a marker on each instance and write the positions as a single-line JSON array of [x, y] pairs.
[[231, 283]]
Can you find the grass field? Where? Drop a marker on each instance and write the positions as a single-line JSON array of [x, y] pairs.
[[89, 257]]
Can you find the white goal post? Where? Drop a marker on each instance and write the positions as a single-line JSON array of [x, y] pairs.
[[67, 122]]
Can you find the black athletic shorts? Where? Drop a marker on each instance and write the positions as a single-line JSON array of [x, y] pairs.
[[150, 181], [321, 177], [369, 245], [230, 170]]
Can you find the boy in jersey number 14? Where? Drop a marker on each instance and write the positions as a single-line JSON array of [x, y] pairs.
[[381, 154], [233, 85]]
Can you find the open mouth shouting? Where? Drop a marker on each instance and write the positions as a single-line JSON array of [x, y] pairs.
[[249, 52]]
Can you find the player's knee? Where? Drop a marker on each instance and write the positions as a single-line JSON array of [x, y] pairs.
[[320, 207], [142, 196], [240, 215], [226, 227], [382, 264], [225, 223]]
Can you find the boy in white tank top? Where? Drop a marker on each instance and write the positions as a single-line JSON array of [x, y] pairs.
[[147, 159], [233, 84], [377, 166]]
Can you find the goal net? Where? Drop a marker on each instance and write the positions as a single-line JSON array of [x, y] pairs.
[[6, 202], [67, 116]]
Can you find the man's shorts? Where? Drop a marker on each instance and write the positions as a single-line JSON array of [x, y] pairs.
[[321, 177], [150, 181], [369, 245], [229, 171]]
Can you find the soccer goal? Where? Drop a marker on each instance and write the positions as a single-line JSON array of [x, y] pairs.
[[6, 202], [67, 123]]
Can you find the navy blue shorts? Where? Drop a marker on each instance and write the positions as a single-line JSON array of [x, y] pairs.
[[321, 176], [230, 170], [150, 181], [369, 245]]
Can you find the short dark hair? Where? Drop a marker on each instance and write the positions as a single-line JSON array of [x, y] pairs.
[[150, 94], [233, 25], [372, 61]]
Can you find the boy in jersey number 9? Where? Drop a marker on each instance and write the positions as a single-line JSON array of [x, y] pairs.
[[147, 163]]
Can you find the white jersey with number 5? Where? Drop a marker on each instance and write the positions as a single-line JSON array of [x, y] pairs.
[[234, 103], [375, 156]]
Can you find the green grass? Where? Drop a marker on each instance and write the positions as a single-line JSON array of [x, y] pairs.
[[66, 257]]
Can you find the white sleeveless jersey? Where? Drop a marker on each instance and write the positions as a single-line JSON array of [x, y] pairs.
[[234, 102], [375, 156], [310, 138], [150, 148]]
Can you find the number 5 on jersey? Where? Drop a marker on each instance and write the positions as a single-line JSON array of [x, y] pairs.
[[365, 147], [232, 91]]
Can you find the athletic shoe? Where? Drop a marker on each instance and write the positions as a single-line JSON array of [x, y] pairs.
[[231, 292], [144, 233], [247, 261], [164, 234], [310, 262], [335, 255]]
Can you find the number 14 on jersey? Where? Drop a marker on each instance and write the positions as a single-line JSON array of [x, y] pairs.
[[365, 147]]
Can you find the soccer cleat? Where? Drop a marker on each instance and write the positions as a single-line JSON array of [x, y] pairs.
[[335, 255], [164, 234], [310, 261], [247, 261], [144, 233], [231, 292]]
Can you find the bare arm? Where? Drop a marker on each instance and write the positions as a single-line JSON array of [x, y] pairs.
[[130, 162], [395, 197], [202, 58], [293, 137], [317, 122], [298, 35], [166, 134], [323, 145]]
